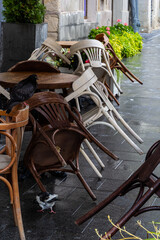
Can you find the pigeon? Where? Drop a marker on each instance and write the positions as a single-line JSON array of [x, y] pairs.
[[46, 201], [22, 91]]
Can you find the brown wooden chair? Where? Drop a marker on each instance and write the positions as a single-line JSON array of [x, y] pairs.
[[57, 137], [12, 128], [143, 177], [115, 62]]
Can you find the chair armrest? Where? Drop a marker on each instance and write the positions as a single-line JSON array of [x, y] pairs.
[[13, 152]]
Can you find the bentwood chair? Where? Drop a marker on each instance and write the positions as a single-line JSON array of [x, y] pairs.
[[87, 84], [12, 128], [57, 136], [115, 62], [49, 48], [98, 59], [144, 177]]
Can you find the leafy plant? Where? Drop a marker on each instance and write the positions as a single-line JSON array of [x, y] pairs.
[[124, 40], [155, 235], [27, 11]]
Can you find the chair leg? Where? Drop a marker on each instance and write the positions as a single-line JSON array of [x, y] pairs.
[[37, 178], [127, 126], [112, 109], [16, 204], [98, 208], [107, 200], [94, 153], [113, 122], [128, 71], [98, 87], [88, 189], [9, 188], [91, 163], [113, 79], [133, 210]]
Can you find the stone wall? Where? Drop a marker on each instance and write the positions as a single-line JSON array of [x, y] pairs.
[[52, 17], [149, 14], [145, 15], [120, 11], [73, 27], [155, 14]]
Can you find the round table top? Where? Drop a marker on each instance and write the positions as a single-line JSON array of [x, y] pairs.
[[46, 80]]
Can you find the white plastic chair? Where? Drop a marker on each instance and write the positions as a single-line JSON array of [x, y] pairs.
[[4, 92], [49, 48], [97, 56], [87, 84]]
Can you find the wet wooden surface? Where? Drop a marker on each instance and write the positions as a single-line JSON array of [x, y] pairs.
[[46, 80]]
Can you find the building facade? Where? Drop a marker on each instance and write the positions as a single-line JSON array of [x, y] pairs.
[[149, 14], [72, 20]]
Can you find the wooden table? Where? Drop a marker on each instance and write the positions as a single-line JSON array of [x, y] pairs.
[[66, 44], [46, 80]]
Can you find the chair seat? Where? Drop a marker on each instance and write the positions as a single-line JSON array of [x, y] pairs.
[[89, 116], [4, 161]]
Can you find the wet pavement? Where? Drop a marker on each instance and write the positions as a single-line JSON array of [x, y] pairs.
[[139, 106]]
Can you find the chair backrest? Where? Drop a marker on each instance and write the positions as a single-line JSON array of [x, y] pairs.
[[49, 48], [152, 160], [58, 120], [87, 79], [102, 38], [52, 108], [88, 43], [55, 124], [33, 65], [93, 49]]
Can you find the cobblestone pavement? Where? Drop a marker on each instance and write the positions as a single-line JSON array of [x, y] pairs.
[[139, 106]]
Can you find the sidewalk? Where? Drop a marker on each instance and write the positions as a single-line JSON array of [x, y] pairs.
[[139, 106]]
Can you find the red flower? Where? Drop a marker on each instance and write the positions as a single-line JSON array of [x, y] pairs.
[[119, 20], [107, 28], [87, 61], [125, 24], [108, 33], [97, 27]]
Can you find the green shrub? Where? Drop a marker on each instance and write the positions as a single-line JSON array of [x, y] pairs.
[[27, 11], [124, 40]]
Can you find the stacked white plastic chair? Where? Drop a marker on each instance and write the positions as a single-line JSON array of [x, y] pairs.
[[49, 48], [87, 84], [98, 58]]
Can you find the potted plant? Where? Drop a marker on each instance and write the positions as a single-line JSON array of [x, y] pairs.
[[23, 30]]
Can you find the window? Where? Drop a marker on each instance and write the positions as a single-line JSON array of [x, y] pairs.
[[85, 8], [90, 10]]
